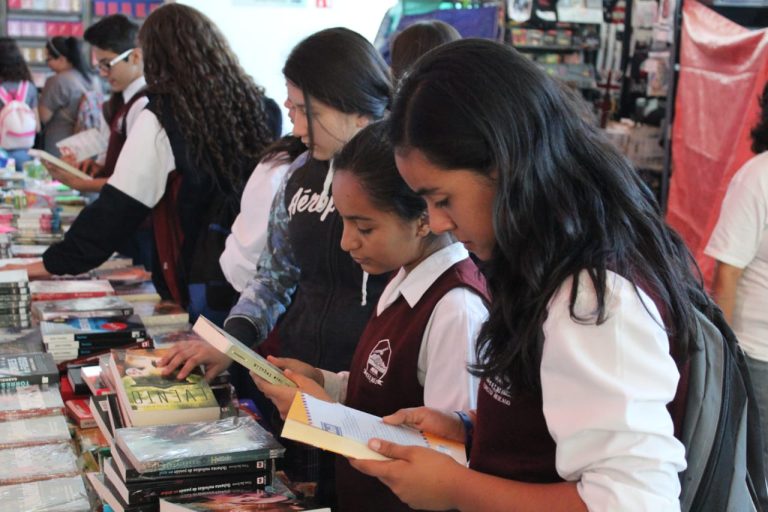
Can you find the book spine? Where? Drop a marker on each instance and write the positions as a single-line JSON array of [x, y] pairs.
[[48, 316], [254, 466], [68, 295], [14, 381], [138, 494], [94, 338]]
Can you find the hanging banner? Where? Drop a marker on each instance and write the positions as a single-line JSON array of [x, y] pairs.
[[723, 67]]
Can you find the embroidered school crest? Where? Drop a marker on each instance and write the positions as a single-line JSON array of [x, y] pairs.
[[378, 362]]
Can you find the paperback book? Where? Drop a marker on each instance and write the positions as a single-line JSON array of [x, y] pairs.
[[189, 445], [30, 401], [150, 398], [32, 463], [26, 369], [237, 351], [257, 501], [346, 431], [92, 330], [66, 494], [148, 491], [115, 502], [34, 431], [96, 307], [80, 412], [61, 290]]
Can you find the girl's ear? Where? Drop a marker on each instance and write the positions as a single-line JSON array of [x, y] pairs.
[[362, 121], [423, 225]]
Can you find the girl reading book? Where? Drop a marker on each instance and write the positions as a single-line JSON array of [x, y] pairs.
[[593, 297], [416, 347]]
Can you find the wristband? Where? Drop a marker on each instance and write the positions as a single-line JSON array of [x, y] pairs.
[[469, 430]]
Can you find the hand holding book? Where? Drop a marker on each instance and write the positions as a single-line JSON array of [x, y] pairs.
[[308, 379], [189, 354]]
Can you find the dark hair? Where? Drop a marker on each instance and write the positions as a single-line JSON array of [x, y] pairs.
[[286, 149], [72, 49], [343, 70], [115, 33], [369, 157], [760, 131], [566, 200], [13, 67], [416, 40], [192, 73]]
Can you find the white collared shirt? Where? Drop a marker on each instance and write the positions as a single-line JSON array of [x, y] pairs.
[[130, 118], [448, 344]]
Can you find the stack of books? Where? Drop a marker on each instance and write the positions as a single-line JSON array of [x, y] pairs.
[[71, 289], [80, 337], [14, 299], [230, 455], [60, 310], [19, 370]]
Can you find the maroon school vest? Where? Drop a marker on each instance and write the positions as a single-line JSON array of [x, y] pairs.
[[511, 439], [118, 133], [382, 378]]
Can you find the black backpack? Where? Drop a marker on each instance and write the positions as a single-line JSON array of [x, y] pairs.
[[721, 432]]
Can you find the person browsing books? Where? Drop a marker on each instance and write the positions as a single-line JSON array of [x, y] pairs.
[[593, 297], [113, 41], [179, 162], [337, 83], [416, 346]]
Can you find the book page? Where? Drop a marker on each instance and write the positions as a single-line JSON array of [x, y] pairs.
[[58, 162], [358, 425], [85, 144]]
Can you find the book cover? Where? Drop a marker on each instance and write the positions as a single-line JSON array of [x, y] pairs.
[[58, 162], [17, 277], [55, 495], [147, 491], [80, 412], [346, 431], [130, 474], [115, 502], [188, 445], [95, 307], [132, 275], [60, 290], [164, 338], [92, 329], [30, 401], [261, 501], [240, 353], [34, 431], [152, 399], [26, 369], [17, 340], [31, 463]]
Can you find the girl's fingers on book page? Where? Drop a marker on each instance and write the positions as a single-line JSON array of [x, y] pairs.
[[443, 423]]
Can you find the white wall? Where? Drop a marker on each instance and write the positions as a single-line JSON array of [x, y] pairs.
[[263, 36]]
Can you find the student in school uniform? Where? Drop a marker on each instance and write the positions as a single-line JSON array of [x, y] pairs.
[[308, 297], [113, 42], [185, 160], [416, 347], [593, 297]]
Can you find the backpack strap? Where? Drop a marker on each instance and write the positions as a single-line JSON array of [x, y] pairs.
[[5, 96], [21, 92]]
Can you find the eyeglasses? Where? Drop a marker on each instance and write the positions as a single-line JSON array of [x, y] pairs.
[[106, 67]]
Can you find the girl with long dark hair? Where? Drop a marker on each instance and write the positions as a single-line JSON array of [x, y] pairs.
[[16, 80], [185, 161], [63, 91], [593, 297]]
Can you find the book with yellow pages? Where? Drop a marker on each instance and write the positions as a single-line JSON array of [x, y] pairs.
[[346, 431], [58, 162], [232, 347]]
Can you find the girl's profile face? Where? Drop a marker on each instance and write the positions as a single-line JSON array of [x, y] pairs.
[[459, 201], [379, 241], [331, 128]]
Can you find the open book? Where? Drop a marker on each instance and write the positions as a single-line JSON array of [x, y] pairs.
[[85, 144], [58, 162], [346, 431], [232, 347]]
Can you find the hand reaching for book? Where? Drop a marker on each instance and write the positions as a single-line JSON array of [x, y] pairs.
[[423, 478], [188, 355], [282, 396]]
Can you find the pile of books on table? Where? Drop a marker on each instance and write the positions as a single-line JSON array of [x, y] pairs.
[[14, 299]]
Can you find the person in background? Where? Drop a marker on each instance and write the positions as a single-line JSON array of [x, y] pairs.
[[249, 230], [593, 297], [416, 346], [185, 160], [63, 91], [739, 243], [14, 78], [113, 41], [416, 40], [337, 84]]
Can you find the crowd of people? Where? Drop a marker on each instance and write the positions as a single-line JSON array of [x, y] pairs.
[[469, 256]]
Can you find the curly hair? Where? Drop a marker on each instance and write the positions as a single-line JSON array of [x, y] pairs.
[[13, 67], [192, 72], [760, 131]]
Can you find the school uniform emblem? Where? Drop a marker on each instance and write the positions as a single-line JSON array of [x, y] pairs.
[[378, 362]]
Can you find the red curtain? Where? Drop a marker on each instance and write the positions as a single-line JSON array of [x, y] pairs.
[[723, 69]]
